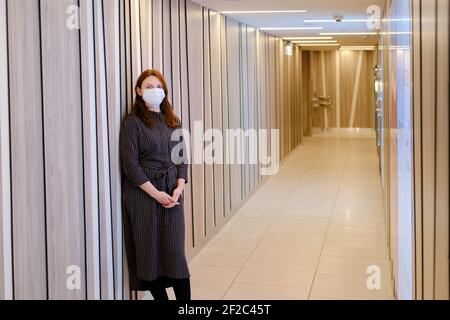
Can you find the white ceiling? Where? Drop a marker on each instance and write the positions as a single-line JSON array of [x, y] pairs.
[[316, 9]]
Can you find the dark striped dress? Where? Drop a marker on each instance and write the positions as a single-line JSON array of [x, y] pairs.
[[154, 236]]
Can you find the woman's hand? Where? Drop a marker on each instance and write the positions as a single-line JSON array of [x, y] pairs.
[[164, 199], [177, 193], [176, 196]]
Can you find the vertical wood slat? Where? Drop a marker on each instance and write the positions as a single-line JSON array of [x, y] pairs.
[[185, 113], [124, 75], [157, 29], [195, 59], [90, 149], [244, 94], [112, 52], [167, 45], [6, 268], [103, 160], [232, 33], [28, 203], [136, 53], [428, 143], [146, 19], [252, 93], [127, 58], [225, 109], [217, 109], [210, 219], [175, 56], [63, 153], [442, 153]]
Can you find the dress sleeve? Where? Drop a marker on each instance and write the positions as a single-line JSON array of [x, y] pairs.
[[182, 168], [129, 153]]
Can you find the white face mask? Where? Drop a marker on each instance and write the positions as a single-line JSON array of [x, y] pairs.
[[154, 97]]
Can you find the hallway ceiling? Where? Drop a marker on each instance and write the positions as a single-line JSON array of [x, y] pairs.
[[315, 10]]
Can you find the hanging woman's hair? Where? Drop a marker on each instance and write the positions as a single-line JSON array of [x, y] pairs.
[[141, 110]]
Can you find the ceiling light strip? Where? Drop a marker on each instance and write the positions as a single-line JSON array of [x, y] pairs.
[[307, 38], [292, 28], [262, 11]]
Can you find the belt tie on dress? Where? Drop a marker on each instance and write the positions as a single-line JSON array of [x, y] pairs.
[[163, 173]]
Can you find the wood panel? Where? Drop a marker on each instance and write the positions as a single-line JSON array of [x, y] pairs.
[[234, 110], [194, 25], [216, 53], [175, 55], [63, 153], [185, 96], [146, 20], [252, 107], [103, 160], [157, 36], [6, 268], [442, 153], [225, 109], [90, 150], [114, 103], [358, 92], [28, 203], [167, 44], [210, 218]]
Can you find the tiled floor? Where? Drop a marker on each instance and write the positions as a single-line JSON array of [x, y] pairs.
[[310, 232]]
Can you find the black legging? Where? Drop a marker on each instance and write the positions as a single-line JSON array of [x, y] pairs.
[[181, 288]]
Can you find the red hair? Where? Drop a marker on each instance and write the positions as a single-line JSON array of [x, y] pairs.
[[141, 110]]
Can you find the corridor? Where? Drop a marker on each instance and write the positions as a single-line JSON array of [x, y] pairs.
[[350, 97], [310, 232]]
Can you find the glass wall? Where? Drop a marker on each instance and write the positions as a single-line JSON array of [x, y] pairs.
[[397, 145]]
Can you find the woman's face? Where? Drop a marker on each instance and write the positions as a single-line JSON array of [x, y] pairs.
[[149, 83]]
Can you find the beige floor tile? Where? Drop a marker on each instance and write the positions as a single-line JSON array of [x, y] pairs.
[[265, 292], [333, 265], [367, 233], [293, 240], [276, 274], [268, 253], [362, 249], [322, 216], [293, 225], [349, 287], [221, 257]]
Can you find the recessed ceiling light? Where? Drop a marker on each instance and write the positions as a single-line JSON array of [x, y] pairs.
[[293, 28], [320, 45], [350, 20], [308, 38], [321, 41], [348, 33], [331, 20], [264, 11], [350, 48]]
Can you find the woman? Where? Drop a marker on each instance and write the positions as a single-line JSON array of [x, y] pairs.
[[153, 183]]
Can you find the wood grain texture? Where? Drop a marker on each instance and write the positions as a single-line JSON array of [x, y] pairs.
[[324, 77], [217, 111], [210, 217], [6, 267], [194, 25], [234, 111], [28, 203], [63, 153], [112, 59], [90, 150]]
